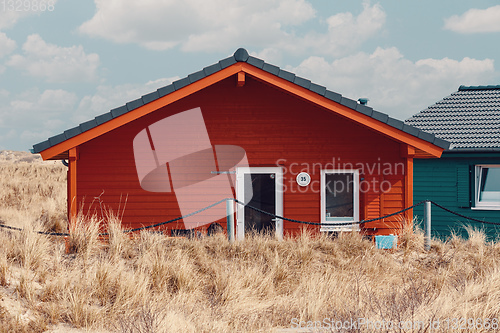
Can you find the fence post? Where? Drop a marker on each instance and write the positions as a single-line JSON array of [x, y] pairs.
[[427, 229], [230, 220]]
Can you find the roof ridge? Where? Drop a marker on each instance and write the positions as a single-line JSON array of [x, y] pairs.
[[488, 87], [240, 55]]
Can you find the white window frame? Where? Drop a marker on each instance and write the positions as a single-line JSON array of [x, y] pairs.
[[477, 184], [355, 218]]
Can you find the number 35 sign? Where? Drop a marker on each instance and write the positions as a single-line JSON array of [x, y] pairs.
[[303, 179]]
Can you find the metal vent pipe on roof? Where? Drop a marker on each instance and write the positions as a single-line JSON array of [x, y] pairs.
[[363, 100]]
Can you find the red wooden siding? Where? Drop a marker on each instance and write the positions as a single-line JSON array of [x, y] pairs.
[[272, 126]]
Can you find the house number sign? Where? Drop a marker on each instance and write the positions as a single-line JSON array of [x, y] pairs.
[[303, 179]]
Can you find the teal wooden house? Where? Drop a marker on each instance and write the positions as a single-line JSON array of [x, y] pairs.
[[466, 179]]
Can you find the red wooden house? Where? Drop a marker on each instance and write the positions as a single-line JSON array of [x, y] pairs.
[[246, 129]]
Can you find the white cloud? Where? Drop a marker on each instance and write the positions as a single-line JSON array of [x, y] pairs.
[[199, 25], [33, 111], [33, 116], [7, 45], [393, 84], [55, 63], [40, 107], [195, 24], [346, 32], [13, 11], [475, 20], [8, 18], [109, 97]]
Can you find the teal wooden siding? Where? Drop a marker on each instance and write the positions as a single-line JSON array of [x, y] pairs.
[[448, 181], [464, 185]]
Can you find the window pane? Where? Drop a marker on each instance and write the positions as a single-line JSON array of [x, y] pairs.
[[490, 185], [262, 196], [339, 189]]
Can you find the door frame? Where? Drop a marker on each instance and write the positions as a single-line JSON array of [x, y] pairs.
[[240, 195]]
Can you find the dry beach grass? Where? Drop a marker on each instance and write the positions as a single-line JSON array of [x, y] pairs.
[[152, 283]]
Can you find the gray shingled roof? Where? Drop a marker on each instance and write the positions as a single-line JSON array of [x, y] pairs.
[[469, 119], [241, 55]]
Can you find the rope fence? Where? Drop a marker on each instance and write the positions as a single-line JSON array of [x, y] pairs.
[[463, 216], [38, 232], [269, 214], [329, 224]]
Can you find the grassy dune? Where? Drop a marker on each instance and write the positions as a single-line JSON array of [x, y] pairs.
[[153, 283]]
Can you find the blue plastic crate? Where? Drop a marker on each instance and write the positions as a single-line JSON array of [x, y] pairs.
[[386, 242]]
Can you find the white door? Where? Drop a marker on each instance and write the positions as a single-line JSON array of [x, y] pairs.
[[262, 188]]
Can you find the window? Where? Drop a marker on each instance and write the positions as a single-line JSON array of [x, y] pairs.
[[487, 189], [339, 199]]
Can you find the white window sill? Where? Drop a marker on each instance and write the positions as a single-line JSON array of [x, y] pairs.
[[485, 208], [338, 229]]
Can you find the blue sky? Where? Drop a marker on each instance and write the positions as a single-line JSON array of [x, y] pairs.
[[64, 62]]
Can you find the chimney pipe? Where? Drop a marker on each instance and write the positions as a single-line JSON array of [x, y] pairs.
[[363, 100]]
